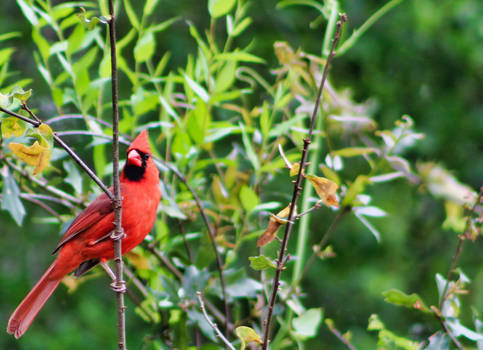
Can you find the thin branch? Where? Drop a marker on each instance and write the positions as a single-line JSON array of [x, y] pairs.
[[21, 117], [318, 248], [341, 338], [213, 325], [65, 198], [451, 335], [459, 247], [84, 166], [211, 232], [36, 123], [297, 189], [119, 284], [41, 204], [165, 261]]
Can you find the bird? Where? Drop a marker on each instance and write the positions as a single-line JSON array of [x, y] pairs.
[[87, 242]]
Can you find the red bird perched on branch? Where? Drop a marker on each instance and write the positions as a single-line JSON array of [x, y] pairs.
[[88, 242]]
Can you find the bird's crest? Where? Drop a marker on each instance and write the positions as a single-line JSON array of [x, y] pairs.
[[141, 143]]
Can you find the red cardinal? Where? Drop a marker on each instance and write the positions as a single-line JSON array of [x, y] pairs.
[[87, 241]]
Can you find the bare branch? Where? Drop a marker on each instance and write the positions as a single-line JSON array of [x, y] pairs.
[[118, 234], [213, 325], [297, 189]]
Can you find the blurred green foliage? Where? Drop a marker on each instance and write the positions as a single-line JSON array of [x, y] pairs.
[[226, 102]]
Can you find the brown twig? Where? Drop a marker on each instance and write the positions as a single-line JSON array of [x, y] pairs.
[[297, 189], [119, 285]]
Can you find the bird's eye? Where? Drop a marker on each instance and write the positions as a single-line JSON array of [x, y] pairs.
[[146, 156]]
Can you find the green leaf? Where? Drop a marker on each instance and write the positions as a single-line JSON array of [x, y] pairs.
[[75, 39], [74, 177], [149, 7], [239, 56], [248, 198], [11, 197], [387, 339], [131, 15], [265, 120], [438, 341], [252, 157], [28, 12], [412, 301], [198, 89], [10, 35], [241, 26], [225, 77], [218, 8], [5, 55], [261, 263], [354, 151], [356, 188], [306, 325], [20, 94], [144, 48], [247, 335]]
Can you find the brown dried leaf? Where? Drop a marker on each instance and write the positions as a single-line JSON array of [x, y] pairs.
[[274, 224], [325, 188]]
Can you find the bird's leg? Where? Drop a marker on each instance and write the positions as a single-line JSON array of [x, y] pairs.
[[115, 286], [108, 270]]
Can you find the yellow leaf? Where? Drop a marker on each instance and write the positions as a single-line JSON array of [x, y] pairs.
[[295, 169], [247, 335], [139, 261], [35, 155], [12, 126], [325, 188]]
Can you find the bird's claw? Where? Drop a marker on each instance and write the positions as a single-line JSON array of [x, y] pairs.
[[118, 286]]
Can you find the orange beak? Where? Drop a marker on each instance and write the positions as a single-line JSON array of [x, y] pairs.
[[134, 158]]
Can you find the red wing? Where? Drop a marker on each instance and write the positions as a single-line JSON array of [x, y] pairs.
[[90, 216]]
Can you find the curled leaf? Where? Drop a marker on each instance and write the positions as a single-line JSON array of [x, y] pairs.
[[247, 335], [325, 188], [35, 155], [274, 224], [20, 94]]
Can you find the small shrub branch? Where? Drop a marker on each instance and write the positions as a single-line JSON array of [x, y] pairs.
[[297, 188], [119, 286]]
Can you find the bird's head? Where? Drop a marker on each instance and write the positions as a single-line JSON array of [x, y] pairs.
[[138, 158]]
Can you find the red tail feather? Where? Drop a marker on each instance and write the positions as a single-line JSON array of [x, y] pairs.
[[27, 310]]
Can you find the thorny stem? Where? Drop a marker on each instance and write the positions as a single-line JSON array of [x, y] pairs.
[[297, 189], [119, 284], [36, 123]]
